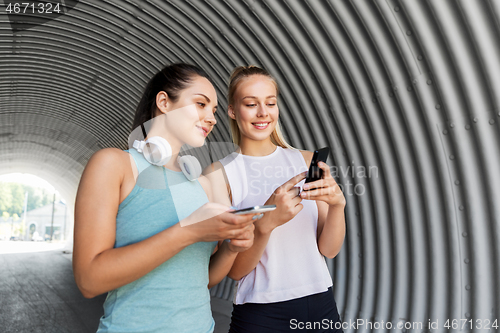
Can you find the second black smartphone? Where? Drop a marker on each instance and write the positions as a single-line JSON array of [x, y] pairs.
[[315, 173]]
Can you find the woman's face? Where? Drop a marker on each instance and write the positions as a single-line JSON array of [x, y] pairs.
[[255, 107], [191, 118]]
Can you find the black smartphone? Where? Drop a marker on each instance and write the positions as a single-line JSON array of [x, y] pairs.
[[315, 173]]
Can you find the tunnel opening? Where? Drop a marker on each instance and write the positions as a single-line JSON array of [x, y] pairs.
[[32, 210]]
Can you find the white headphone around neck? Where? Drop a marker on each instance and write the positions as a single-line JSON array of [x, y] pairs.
[[158, 152]]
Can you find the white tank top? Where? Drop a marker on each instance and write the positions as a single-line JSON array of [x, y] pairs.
[[291, 265]]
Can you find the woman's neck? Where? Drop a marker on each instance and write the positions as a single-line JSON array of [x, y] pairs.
[[175, 145], [159, 128], [256, 148], [172, 163]]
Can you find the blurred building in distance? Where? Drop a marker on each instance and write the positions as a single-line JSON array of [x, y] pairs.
[[37, 226]]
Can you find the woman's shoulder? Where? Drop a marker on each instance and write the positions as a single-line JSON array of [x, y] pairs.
[[106, 169], [226, 160], [213, 167], [214, 172], [307, 156], [216, 178], [109, 157], [111, 161]]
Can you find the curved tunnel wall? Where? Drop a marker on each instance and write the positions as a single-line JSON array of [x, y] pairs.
[[405, 92]]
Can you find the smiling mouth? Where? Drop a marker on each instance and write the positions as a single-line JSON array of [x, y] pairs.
[[203, 130], [261, 125]]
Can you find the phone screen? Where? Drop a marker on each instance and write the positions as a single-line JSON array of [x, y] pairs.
[[315, 172]]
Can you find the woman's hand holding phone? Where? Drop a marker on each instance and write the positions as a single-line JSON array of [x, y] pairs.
[[325, 189], [214, 222], [242, 242], [287, 202]]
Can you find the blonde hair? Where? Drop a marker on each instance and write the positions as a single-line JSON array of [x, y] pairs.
[[238, 74]]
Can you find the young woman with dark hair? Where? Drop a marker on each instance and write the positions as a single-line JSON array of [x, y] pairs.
[[283, 279], [144, 233]]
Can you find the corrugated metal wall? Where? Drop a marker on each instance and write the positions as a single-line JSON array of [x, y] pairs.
[[405, 92]]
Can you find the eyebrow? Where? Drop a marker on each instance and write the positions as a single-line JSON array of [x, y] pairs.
[[270, 96], [208, 99]]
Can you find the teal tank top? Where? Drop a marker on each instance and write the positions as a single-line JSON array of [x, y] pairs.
[[174, 297]]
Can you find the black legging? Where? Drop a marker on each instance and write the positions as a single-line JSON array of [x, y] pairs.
[[317, 312]]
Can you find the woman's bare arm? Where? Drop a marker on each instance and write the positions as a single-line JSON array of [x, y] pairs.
[[331, 228], [98, 266], [223, 259], [288, 204]]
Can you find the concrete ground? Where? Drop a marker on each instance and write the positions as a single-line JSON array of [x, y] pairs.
[[38, 293]]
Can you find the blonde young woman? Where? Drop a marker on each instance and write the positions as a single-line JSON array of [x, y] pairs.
[[283, 280]]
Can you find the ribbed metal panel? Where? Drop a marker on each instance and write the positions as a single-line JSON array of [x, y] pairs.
[[408, 91]]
